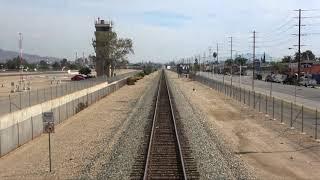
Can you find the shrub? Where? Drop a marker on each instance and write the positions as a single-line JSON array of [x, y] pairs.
[[85, 71]]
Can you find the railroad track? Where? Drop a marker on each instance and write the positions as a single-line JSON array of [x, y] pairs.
[[166, 156]]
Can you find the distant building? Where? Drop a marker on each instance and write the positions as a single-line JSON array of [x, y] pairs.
[[310, 67]]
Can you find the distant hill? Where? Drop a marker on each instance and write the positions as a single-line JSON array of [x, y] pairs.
[[5, 55]]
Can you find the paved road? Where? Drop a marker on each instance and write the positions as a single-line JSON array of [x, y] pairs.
[[279, 108], [309, 97]]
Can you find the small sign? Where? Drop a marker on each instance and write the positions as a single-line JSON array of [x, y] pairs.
[[48, 122]]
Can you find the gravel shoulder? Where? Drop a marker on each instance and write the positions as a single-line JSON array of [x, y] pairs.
[[83, 143], [215, 160], [119, 165], [248, 142]]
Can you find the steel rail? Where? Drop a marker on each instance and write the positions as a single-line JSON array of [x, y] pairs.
[[145, 176], [176, 131]]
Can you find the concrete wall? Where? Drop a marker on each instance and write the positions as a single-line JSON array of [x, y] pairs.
[[24, 125]]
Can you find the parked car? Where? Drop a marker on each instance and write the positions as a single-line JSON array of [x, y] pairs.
[[307, 80], [279, 78], [88, 76], [268, 78], [78, 77], [291, 80]]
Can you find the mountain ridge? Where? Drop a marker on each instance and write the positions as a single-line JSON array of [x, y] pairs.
[[31, 58]]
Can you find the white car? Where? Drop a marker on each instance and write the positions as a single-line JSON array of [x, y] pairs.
[[307, 81]]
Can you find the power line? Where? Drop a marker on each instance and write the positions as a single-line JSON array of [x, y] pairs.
[[287, 20]]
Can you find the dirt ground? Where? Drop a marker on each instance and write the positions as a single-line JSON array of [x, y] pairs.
[[80, 142], [39, 80], [272, 149]]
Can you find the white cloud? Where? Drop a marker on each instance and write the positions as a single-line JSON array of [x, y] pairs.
[[60, 28]]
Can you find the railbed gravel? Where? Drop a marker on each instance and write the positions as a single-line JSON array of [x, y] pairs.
[[214, 158], [123, 156]]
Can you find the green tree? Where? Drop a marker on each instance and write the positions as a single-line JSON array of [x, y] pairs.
[[64, 62], [43, 65], [240, 60], [279, 67], [119, 55], [85, 71], [228, 62], [286, 59], [305, 56], [56, 65], [15, 63], [32, 66], [73, 66]]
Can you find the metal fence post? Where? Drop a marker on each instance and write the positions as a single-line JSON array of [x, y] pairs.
[[234, 92], [29, 99], [20, 101], [240, 95], [291, 120], [273, 108], [254, 100], [249, 98], [244, 96], [259, 102], [302, 119], [10, 103], [281, 121], [266, 104], [37, 96], [316, 128]]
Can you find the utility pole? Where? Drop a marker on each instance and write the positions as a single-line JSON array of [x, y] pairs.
[[253, 59], [217, 52], [200, 64], [299, 43], [210, 56], [299, 49], [204, 61]]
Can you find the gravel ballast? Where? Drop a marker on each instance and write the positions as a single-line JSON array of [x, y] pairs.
[[123, 157], [215, 160]]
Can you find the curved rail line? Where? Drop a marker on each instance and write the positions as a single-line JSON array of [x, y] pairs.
[[165, 158]]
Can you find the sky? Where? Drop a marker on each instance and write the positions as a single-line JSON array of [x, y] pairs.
[[161, 30]]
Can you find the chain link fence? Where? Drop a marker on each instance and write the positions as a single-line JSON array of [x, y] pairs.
[[22, 131], [20, 100], [294, 115]]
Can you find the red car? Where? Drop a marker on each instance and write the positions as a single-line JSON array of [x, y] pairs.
[[78, 77]]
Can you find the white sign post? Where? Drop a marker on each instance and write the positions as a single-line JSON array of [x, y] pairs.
[[48, 127]]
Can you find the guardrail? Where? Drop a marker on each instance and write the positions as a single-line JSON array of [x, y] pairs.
[[296, 116]]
